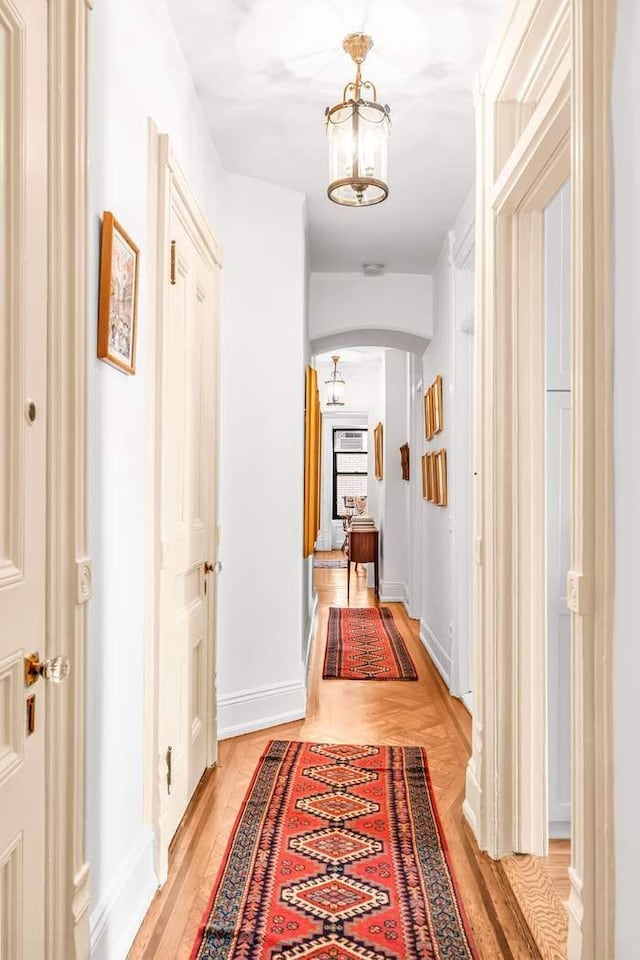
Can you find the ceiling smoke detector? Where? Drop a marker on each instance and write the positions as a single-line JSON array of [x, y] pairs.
[[373, 269]]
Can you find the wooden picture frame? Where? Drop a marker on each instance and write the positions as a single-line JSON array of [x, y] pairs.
[[425, 475], [378, 465], [437, 413], [118, 296], [440, 459], [428, 415], [312, 461], [405, 461], [431, 478]]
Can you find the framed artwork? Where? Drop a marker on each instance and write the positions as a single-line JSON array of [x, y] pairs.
[[441, 477], [312, 461], [118, 298], [431, 477], [425, 476], [377, 439], [437, 416], [428, 415], [404, 461]]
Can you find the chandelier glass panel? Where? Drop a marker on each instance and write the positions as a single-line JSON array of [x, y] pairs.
[[358, 131]]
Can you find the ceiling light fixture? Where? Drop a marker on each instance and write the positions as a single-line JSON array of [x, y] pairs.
[[358, 132], [373, 269], [335, 386]]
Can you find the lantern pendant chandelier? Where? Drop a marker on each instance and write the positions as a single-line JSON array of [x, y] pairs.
[[358, 132], [335, 386]]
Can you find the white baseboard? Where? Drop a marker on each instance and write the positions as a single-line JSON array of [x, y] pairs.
[[394, 591], [436, 651], [467, 699], [260, 707], [117, 916]]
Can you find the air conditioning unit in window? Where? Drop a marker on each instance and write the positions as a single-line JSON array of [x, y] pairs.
[[350, 441]]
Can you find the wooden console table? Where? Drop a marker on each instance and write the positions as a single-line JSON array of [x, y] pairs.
[[362, 547]]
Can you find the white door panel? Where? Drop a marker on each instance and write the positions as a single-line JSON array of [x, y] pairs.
[[188, 517], [23, 335]]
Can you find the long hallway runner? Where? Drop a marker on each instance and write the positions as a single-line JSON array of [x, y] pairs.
[[363, 643], [338, 853]]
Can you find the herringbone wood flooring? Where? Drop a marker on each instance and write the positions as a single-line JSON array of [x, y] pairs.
[[345, 711]]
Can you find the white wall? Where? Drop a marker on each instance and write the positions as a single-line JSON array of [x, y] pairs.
[[260, 629], [626, 154], [436, 620], [394, 543], [260, 634], [398, 302], [125, 89]]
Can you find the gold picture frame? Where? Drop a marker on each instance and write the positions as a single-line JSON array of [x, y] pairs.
[[437, 413], [118, 296], [312, 461], [377, 440], [425, 475], [428, 415], [405, 461], [431, 481], [441, 478]]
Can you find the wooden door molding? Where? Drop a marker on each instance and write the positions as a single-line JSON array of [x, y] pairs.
[[68, 567], [543, 114], [165, 178]]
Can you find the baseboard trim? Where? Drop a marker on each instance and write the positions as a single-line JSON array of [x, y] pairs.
[[260, 707], [436, 651], [117, 916], [394, 591]]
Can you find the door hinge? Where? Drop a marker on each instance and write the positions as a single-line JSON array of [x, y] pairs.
[[172, 263], [168, 758]]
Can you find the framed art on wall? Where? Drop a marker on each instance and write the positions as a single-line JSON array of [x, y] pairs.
[[377, 437], [404, 461], [428, 415], [437, 416], [118, 298], [441, 477]]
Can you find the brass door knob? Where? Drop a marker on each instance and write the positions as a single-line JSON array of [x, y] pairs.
[[56, 669], [212, 567]]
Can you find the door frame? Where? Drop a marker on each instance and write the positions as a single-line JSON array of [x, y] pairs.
[[68, 578], [543, 110], [165, 175]]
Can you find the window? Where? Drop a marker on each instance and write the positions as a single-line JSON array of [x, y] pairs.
[[350, 469]]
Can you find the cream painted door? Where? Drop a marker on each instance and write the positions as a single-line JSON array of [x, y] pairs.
[[188, 542], [23, 337]]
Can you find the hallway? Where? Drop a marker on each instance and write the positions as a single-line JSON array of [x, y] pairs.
[[398, 713]]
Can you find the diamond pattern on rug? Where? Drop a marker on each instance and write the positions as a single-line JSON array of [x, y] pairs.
[[336, 845], [335, 898], [363, 643], [336, 806], [340, 775]]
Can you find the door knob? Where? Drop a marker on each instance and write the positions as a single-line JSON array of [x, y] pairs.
[[57, 669], [212, 567]]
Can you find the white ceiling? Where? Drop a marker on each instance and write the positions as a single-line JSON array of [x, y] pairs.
[[266, 69]]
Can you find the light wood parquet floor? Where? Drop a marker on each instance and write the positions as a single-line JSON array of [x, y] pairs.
[[393, 712]]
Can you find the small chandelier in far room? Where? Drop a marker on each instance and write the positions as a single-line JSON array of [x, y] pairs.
[[358, 132], [335, 386]]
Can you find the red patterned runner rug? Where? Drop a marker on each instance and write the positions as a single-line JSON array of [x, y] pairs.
[[337, 854], [363, 643]]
